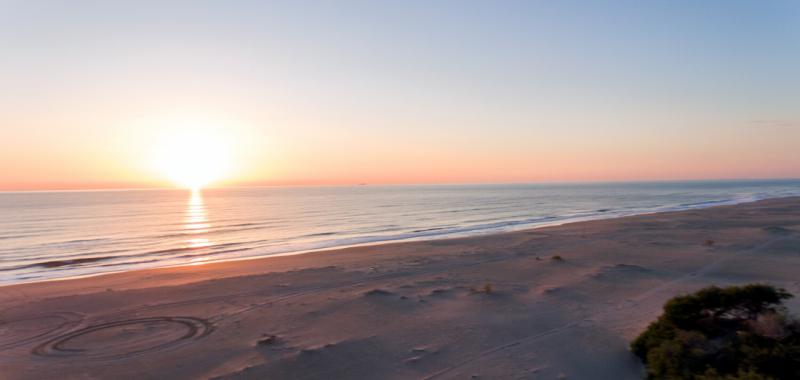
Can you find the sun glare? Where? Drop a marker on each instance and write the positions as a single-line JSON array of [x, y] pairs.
[[193, 158]]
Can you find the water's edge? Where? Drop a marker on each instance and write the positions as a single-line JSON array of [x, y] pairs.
[[507, 227]]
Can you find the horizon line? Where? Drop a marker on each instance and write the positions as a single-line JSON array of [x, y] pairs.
[[247, 186]]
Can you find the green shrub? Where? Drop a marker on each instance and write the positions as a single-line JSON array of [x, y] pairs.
[[723, 333]]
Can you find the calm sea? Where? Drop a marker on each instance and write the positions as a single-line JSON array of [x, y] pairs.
[[49, 235]]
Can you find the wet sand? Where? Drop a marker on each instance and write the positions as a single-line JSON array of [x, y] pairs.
[[493, 306]]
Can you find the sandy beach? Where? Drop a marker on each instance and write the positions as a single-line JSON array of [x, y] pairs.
[[492, 306]]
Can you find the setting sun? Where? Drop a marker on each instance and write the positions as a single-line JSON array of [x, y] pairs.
[[193, 158], [399, 189]]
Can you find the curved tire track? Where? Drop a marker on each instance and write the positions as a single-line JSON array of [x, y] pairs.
[[50, 324], [195, 328]]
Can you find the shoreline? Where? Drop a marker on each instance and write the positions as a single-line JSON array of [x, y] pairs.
[[453, 235], [493, 306]]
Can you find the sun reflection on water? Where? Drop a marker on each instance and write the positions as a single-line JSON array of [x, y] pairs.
[[196, 222]]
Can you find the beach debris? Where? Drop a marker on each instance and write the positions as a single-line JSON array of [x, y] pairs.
[[709, 243], [556, 258], [486, 289]]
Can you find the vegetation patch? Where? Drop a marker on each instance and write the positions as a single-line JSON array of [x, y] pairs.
[[723, 333]]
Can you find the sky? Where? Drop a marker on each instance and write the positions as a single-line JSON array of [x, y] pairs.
[[98, 94]]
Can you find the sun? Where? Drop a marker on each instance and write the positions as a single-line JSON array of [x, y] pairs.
[[193, 157]]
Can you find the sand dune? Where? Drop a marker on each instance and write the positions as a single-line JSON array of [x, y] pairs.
[[495, 306]]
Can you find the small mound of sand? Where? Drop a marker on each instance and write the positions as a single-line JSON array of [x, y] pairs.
[[630, 268], [778, 230], [267, 340], [377, 293], [550, 290], [439, 292], [619, 270]]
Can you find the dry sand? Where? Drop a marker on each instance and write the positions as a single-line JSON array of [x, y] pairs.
[[415, 310]]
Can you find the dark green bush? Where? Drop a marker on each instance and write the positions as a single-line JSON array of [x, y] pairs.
[[723, 334]]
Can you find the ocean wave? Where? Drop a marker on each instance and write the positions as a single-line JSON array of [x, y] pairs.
[[350, 227], [62, 263], [509, 225]]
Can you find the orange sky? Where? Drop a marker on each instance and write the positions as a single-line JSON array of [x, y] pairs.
[[118, 95], [272, 152]]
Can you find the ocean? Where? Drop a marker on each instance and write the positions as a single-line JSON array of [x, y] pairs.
[[53, 235]]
